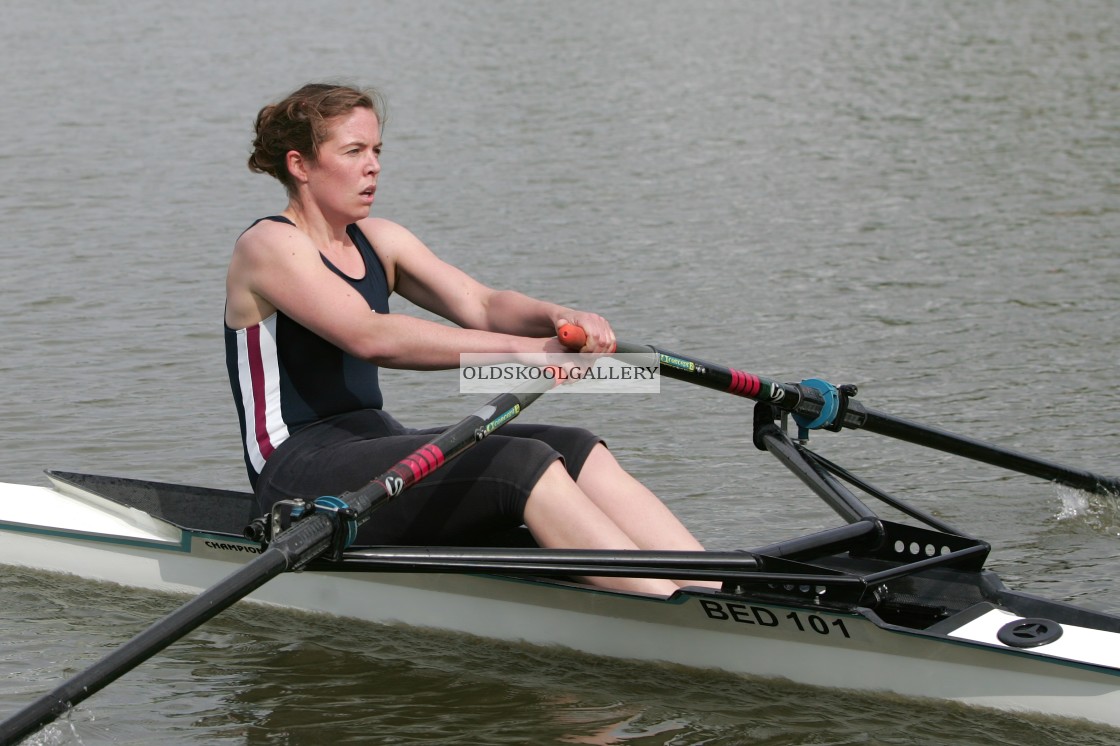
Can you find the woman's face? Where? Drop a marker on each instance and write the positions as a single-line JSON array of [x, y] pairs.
[[343, 179]]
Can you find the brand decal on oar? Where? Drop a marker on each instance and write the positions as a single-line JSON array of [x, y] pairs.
[[502, 419], [777, 393], [678, 363]]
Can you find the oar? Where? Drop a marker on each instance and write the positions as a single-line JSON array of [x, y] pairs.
[[818, 404], [978, 450], [332, 524]]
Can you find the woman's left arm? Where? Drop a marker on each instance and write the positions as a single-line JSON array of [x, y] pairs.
[[417, 274]]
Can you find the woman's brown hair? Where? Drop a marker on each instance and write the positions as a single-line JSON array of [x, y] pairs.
[[300, 122]]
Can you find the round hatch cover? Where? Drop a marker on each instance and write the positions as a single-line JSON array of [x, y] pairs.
[[1029, 633]]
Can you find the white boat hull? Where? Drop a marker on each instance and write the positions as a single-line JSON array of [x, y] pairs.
[[1078, 676]]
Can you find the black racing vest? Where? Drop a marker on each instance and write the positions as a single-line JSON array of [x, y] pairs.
[[285, 377]]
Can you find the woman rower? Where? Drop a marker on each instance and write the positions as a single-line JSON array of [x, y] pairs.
[[303, 351]]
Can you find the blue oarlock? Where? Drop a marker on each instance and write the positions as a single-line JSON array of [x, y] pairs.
[[830, 407]]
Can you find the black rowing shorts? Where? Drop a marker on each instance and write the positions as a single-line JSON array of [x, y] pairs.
[[479, 492]]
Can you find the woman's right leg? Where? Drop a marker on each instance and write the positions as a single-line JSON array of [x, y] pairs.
[[560, 515]]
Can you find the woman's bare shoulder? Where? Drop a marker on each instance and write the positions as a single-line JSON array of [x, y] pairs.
[[272, 239], [382, 229]]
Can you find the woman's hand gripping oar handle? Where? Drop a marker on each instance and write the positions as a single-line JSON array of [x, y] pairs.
[[574, 338]]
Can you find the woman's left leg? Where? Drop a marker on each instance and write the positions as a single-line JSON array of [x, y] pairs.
[[631, 505]]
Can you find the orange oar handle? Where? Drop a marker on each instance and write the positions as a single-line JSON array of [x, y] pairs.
[[572, 336]]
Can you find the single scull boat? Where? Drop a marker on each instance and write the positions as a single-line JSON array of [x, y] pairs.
[[872, 604]]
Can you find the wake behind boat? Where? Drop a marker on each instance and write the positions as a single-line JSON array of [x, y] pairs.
[[872, 604]]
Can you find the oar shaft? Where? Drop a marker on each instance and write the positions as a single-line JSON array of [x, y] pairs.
[[445, 446], [307, 539], [789, 397], [989, 453], [804, 401], [703, 373], [180, 622], [720, 377]]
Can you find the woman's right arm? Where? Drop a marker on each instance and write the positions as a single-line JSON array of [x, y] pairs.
[[276, 267]]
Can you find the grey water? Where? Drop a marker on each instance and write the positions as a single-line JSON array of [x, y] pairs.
[[922, 199]]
